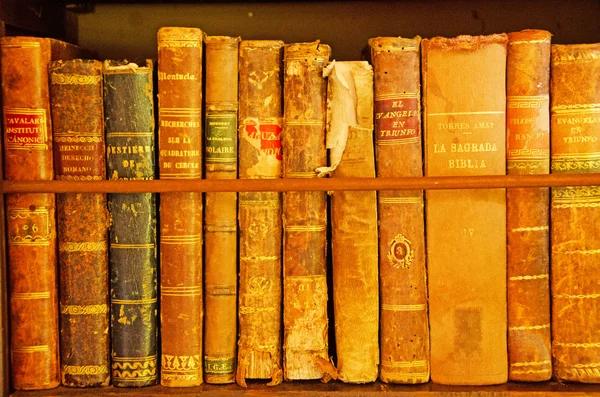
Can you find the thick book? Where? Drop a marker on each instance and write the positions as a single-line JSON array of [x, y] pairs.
[[527, 221], [129, 126], [354, 243], [464, 124], [404, 330], [575, 241], [78, 131], [305, 333], [30, 218], [220, 223], [180, 158], [259, 213]]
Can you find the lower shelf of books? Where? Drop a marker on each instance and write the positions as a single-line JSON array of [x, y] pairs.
[[317, 389]]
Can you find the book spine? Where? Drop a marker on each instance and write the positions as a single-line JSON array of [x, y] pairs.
[[403, 284], [220, 225], [259, 213], [527, 222], [464, 112], [180, 158], [129, 126], [353, 222], [78, 121], [575, 125], [305, 338], [30, 218]]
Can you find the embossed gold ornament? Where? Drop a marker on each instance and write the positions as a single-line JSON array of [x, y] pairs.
[[400, 253]]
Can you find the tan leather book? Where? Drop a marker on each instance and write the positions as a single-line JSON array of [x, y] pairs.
[[259, 213], [30, 217], [464, 119], [404, 324], [575, 241], [305, 339], [527, 221], [180, 158], [220, 223], [353, 221]]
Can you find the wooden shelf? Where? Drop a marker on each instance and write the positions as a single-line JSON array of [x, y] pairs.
[[333, 389], [314, 184]]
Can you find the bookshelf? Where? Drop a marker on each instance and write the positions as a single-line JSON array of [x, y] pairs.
[[121, 29]]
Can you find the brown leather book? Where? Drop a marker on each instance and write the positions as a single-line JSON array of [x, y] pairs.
[[404, 324], [220, 224], [353, 221], [180, 158], [575, 241], [78, 121], [305, 340], [259, 133], [464, 120], [30, 218], [527, 222]]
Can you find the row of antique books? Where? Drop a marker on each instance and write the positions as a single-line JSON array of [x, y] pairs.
[[478, 313]]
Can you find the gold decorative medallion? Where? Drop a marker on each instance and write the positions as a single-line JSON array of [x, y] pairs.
[[400, 253]]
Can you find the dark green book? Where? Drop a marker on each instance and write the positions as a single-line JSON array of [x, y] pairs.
[[129, 125]]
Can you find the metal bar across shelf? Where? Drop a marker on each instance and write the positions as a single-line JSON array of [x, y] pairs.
[[311, 184]]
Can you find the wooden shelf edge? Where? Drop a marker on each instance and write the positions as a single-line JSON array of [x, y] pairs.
[[335, 389], [311, 184]]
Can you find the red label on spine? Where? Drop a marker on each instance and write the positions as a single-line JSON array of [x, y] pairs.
[[264, 136], [25, 129], [397, 119]]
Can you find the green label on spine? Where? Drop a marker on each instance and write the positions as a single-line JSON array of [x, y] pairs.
[[221, 137]]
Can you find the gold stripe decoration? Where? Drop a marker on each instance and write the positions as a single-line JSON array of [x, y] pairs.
[[86, 246], [301, 174], [74, 79], [528, 327], [401, 200], [579, 252], [182, 239], [531, 363], [181, 364], [259, 258], [221, 228], [304, 123], [133, 301], [466, 113], [305, 228], [585, 108], [405, 364], [181, 291], [126, 246], [399, 95], [78, 310], [528, 277], [531, 371], [401, 141], [85, 369], [31, 349], [29, 295], [579, 296], [530, 229], [258, 203], [529, 41], [129, 134], [24, 44], [403, 308], [577, 345], [575, 195], [134, 369]]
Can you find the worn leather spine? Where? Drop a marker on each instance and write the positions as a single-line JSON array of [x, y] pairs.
[[259, 213], [78, 121], [527, 222], [220, 224], [464, 122], [30, 218], [129, 126], [305, 337], [354, 242], [575, 242], [180, 158], [403, 286]]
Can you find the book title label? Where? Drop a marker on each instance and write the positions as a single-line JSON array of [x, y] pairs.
[[264, 135], [25, 129], [221, 137], [398, 119]]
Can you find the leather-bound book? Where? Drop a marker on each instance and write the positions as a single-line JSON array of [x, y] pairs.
[[180, 158], [575, 213], [464, 103], [220, 224], [259, 213], [353, 221], [305, 334], [527, 222], [404, 324], [30, 218], [129, 126], [78, 121]]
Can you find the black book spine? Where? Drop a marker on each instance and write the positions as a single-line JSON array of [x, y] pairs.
[[129, 125]]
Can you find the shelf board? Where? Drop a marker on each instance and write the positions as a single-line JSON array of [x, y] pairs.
[[311, 184], [333, 389]]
